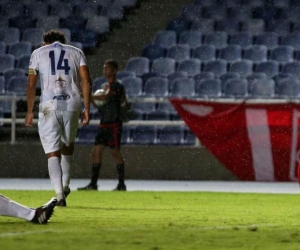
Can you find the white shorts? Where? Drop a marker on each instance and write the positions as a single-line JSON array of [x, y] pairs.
[[57, 127]]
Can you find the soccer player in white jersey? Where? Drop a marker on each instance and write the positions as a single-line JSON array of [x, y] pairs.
[[64, 78], [39, 215]]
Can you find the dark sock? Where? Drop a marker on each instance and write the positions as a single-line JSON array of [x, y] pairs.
[[121, 173], [95, 174]]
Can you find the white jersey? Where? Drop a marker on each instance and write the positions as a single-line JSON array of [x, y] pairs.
[[57, 65]]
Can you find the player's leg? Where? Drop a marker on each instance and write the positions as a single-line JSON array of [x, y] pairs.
[[50, 129], [97, 152], [70, 125]]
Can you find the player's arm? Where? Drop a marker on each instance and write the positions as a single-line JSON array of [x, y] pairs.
[[86, 92], [31, 93]]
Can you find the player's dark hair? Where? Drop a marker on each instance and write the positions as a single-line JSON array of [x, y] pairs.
[[52, 36], [113, 63]]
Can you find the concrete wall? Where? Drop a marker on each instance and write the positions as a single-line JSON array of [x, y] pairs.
[[144, 162]]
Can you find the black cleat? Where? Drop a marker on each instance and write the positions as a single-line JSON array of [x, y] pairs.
[[53, 202], [61, 203], [67, 191], [43, 214], [88, 187], [120, 187]]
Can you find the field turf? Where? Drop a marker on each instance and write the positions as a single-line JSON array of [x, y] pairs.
[[157, 221]]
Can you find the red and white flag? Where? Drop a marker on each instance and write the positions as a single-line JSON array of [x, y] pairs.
[[255, 141]]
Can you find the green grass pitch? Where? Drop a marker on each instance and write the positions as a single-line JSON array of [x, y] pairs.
[[157, 221]]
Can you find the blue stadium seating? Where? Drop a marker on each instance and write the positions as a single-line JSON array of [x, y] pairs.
[[254, 26], [281, 27], [243, 67], [7, 61], [189, 138], [165, 38], [73, 23], [22, 22], [228, 25], [48, 22], [218, 67], [236, 88], [17, 84], [158, 115], [88, 38], [203, 75], [177, 74], [208, 88], [282, 54], [153, 51], [256, 53], [37, 10], [292, 68], [170, 135], [23, 62], [2, 48], [8, 74], [127, 4], [240, 12], [203, 25], [179, 52], [34, 36], [243, 39], [191, 66], [62, 10], [178, 25], [97, 83], [215, 12], [86, 134], [191, 13], [292, 39], [205, 3], [87, 9], [2, 84], [254, 76], [19, 49], [270, 68], [229, 75], [230, 53], [182, 87], [204, 52], [262, 88], [145, 107], [218, 39], [98, 24], [9, 35], [163, 66], [191, 38], [13, 9], [157, 87], [269, 39], [139, 65], [288, 88], [168, 107], [124, 73], [133, 86], [144, 135]]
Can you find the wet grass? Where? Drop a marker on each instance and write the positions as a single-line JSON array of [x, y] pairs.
[[157, 221]]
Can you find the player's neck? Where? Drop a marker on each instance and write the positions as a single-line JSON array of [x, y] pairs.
[[111, 80]]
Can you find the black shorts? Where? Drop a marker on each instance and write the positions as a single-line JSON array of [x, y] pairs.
[[109, 135]]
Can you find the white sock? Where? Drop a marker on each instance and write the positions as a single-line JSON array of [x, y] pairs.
[[13, 209], [55, 174], [66, 166]]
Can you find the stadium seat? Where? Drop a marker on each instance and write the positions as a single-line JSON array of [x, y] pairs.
[[163, 66], [256, 53], [218, 39], [127, 4], [126, 131], [158, 115], [168, 107], [229, 75], [205, 3], [253, 26], [243, 67], [236, 88], [8, 74], [292, 39], [177, 74], [281, 3], [86, 134], [229, 3], [228, 25], [288, 88], [270, 68], [170, 135], [266, 13], [78, 45], [34, 36], [73, 23], [165, 38], [133, 86], [148, 75], [48, 22], [182, 87], [243, 39], [88, 38], [189, 138], [191, 66], [98, 24], [17, 84], [191, 38], [240, 12], [22, 23], [178, 25], [262, 88], [145, 107], [13, 9], [269, 39], [2, 84], [19, 49], [124, 73], [144, 135], [37, 10], [61, 10], [191, 13], [138, 65], [230, 53], [253, 3], [292, 68], [114, 12], [281, 77], [2, 48], [204, 53], [179, 52], [254, 76], [279, 26], [208, 88], [282, 54], [23, 62], [7, 61], [203, 25], [9, 35], [4, 22], [87, 9], [153, 51], [215, 12], [218, 67], [157, 87], [203, 75]]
